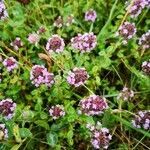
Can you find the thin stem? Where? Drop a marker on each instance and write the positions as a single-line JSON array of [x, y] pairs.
[[113, 95], [141, 18], [41, 13], [120, 109], [11, 51], [117, 74], [88, 89], [139, 142], [126, 14], [109, 19], [17, 61], [91, 27]]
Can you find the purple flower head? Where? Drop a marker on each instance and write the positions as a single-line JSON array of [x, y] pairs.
[[136, 8], [142, 120], [39, 75], [17, 43], [125, 94], [77, 77], [3, 132], [70, 20], [10, 63], [144, 41], [127, 31], [93, 105], [100, 136], [3, 12], [7, 108], [33, 38], [55, 44], [84, 43], [90, 15], [147, 3], [146, 67], [58, 22], [57, 111]]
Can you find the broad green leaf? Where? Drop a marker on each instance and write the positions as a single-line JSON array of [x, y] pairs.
[[16, 133], [24, 132], [43, 115], [16, 147], [42, 123], [70, 136], [52, 139]]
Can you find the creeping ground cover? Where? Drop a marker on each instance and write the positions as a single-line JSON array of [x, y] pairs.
[[74, 74]]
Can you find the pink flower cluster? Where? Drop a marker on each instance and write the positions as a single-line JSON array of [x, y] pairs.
[[84, 42], [77, 77], [7, 108], [126, 31], [100, 136], [125, 94], [136, 8], [10, 63], [93, 105], [144, 41], [3, 132], [3, 11], [142, 120], [33, 38], [39, 75], [147, 3], [90, 15], [146, 67], [57, 111], [55, 44], [17, 43]]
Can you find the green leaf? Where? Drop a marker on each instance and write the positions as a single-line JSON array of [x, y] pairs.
[[87, 119], [24, 132], [71, 118], [38, 107], [14, 80], [16, 133], [42, 123], [43, 115], [16, 147], [104, 60], [28, 114], [70, 136], [108, 119], [52, 139]]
